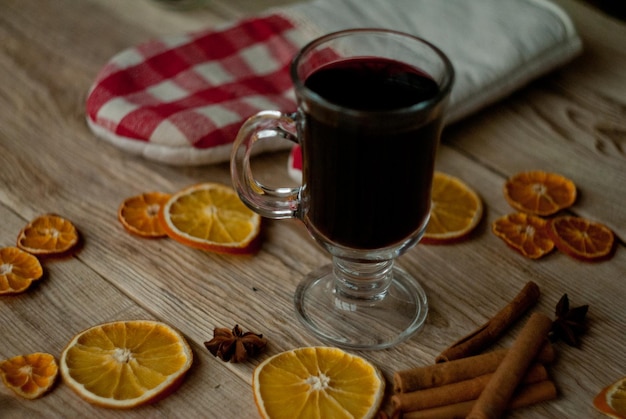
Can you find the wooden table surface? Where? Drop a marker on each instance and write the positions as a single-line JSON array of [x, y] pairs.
[[572, 121]]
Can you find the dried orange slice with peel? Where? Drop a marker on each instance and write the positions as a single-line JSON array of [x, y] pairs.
[[612, 400], [456, 210], [48, 235], [581, 238], [210, 216], [525, 233], [140, 214], [317, 382], [126, 363], [18, 270], [29, 376], [539, 193]]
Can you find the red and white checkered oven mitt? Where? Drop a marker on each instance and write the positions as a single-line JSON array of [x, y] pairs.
[[181, 99]]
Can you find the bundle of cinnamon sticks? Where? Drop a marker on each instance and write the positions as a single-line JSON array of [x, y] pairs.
[[467, 383]]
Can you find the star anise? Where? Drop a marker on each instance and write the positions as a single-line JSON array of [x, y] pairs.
[[570, 323], [235, 345]]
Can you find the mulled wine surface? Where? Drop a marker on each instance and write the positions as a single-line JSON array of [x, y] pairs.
[[368, 183]]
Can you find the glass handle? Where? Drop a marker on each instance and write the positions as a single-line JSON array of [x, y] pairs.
[[277, 203]]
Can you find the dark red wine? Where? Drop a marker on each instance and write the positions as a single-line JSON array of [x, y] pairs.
[[368, 173]]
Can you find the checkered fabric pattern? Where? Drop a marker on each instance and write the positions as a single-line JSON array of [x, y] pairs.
[[182, 99]]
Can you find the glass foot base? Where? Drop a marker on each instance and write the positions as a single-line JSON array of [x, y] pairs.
[[361, 323]]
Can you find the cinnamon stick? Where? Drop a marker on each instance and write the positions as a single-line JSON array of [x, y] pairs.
[[497, 394], [456, 392], [526, 396], [458, 370], [489, 332]]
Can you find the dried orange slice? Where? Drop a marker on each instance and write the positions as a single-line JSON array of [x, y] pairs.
[[126, 363], [140, 214], [539, 193], [18, 270], [455, 210], [210, 216], [317, 382], [582, 239], [525, 233], [48, 235], [612, 400], [29, 376]]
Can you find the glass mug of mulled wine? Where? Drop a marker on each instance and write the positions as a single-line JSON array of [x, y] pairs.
[[369, 117]]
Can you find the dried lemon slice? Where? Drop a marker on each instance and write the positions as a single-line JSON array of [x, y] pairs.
[[581, 239], [18, 270], [455, 211], [29, 376], [612, 400], [210, 216], [525, 233], [539, 193], [48, 235], [125, 364], [140, 214], [317, 382]]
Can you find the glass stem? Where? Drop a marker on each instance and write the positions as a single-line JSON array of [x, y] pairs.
[[362, 280]]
